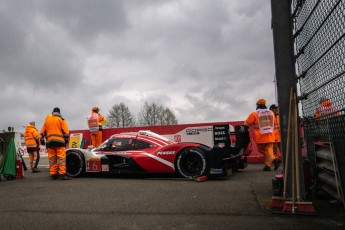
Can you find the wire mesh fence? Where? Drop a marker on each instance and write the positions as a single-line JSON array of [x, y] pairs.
[[319, 35]]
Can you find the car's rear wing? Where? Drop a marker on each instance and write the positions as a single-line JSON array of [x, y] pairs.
[[227, 154]]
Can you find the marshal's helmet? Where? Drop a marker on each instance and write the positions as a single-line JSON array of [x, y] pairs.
[[261, 101], [95, 109]]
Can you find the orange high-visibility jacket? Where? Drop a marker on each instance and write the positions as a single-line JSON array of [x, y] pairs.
[[253, 119], [276, 128], [55, 129], [31, 136]]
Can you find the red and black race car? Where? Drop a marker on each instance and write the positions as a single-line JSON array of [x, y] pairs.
[[148, 152]]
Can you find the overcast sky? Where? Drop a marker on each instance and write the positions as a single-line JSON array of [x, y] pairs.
[[207, 60]]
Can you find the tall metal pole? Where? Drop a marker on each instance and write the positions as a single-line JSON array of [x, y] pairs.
[[282, 26]]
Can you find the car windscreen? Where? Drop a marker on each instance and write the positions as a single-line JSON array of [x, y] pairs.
[[123, 144]]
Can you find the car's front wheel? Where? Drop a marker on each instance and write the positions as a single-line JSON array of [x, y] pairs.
[[75, 163], [191, 163]]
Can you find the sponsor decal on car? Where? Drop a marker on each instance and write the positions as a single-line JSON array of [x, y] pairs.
[[105, 168], [197, 131], [177, 138], [166, 153], [216, 171], [120, 153]]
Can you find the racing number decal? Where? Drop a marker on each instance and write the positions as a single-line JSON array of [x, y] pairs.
[[94, 165]]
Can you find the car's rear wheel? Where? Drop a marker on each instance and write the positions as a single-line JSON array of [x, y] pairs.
[[75, 163], [191, 163]]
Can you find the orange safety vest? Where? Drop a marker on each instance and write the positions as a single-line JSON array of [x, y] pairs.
[[31, 136], [94, 122], [55, 129], [263, 121]]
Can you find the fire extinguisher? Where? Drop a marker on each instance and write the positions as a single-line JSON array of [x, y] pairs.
[[19, 168]]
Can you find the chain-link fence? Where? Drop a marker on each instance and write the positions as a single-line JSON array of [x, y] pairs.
[[319, 43], [319, 33]]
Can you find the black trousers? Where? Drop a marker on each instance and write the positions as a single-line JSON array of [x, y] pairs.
[[37, 157]]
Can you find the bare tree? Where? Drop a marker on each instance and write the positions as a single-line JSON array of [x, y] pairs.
[[167, 117], [153, 115], [120, 117]]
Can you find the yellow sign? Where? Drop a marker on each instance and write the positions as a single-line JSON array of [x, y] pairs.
[[75, 140]]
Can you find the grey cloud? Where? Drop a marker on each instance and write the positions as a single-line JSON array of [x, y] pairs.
[[207, 60], [86, 19]]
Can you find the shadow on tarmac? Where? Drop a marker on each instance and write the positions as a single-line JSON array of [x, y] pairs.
[[156, 201]]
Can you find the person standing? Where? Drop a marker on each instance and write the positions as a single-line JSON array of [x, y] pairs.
[[263, 121], [32, 140], [55, 130], [276, 146], [95, 122]]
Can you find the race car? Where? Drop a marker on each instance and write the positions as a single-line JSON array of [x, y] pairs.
[[148, 152]]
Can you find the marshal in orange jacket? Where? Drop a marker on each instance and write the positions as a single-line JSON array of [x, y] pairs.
[[253, 119], [31, 136], [55, 129]]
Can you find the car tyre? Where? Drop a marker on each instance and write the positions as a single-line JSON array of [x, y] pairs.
[[75, 163], [191, 163]]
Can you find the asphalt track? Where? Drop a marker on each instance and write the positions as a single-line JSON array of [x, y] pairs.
[[158, 202]]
